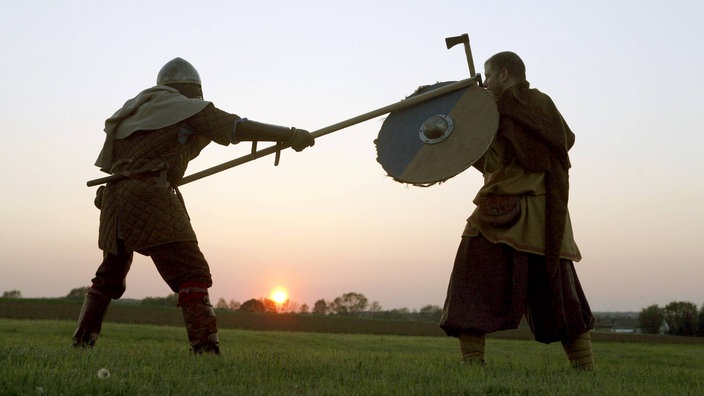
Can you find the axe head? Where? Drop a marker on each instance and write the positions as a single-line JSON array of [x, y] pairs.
[[452, 41]]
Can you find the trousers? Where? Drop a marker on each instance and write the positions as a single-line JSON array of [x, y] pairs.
[[177, 263], [493, 286]]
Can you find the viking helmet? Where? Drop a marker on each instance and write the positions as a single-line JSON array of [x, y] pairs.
[[178, 71]]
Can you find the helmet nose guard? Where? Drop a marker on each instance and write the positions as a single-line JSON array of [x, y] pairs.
[[178, 71]]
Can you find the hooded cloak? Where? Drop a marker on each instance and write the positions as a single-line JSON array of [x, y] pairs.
[[541, 138]]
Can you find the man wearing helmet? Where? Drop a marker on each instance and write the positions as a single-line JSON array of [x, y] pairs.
[[150, 141]]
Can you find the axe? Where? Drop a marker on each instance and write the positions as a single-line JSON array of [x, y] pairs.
[[463, 39]]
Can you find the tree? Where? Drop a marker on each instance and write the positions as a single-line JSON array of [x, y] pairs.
[[78, 292], [270, 305], [170, 301], [650, 319], [231, 305], [349, 304], [375, 307], [222, 304], [701, 322], [400, 313], [12, 294], [252, 305], [289, 306], [682, 318], [431, 313], [320, 307], [304, 309]]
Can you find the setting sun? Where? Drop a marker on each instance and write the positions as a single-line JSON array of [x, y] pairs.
[[279, 295]]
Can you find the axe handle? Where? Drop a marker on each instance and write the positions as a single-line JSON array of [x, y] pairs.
[[464, 40], [470, 59], [320, 132]]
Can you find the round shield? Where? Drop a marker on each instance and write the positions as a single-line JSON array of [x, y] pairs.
[[437, 139]]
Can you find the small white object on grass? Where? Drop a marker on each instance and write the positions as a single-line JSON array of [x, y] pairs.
[[103, 373]]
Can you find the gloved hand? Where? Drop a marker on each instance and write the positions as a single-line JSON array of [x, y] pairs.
[[300, 139]]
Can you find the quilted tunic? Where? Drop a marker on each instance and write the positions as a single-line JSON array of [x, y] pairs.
[[146, 210]]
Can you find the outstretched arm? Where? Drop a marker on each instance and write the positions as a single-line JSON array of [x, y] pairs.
[[246, 130]]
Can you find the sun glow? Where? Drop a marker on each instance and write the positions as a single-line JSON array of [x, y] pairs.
[[279, 295]]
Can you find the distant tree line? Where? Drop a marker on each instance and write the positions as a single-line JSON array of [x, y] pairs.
[[170, 301], [676, 318], [348, 304], [12, 294], [78, 293]]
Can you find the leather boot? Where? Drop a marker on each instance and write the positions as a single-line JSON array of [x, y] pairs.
[[90, 320], [200, 320]]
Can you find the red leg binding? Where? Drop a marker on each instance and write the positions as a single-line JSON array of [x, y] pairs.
[[199, 317]]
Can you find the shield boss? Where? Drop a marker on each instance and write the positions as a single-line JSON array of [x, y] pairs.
[[437, 139]]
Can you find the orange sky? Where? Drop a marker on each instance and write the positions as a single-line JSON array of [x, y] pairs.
[[328, 221]]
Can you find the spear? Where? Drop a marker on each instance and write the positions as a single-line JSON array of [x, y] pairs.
[[405, 103]]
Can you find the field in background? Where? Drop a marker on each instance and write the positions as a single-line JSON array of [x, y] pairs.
[[144, 351], [135, 313]]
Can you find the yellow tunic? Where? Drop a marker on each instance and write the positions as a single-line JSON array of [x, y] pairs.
[[503, 174]]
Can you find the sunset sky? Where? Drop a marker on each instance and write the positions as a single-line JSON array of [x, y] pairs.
[[626, 76]]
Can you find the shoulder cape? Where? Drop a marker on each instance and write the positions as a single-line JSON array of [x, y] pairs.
[[154, 108]]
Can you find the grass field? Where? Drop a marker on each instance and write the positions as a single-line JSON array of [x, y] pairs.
[[37, 359]]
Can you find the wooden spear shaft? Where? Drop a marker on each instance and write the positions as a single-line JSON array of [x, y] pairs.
[[335, 127], [316, 134]]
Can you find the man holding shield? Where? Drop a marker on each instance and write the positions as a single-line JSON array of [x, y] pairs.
[[517, 250]]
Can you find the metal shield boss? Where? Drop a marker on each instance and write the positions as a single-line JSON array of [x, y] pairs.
[[437, 139]]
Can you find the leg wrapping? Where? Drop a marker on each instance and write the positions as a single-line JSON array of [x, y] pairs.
[[472, 347], [579, 352], [200, 320]]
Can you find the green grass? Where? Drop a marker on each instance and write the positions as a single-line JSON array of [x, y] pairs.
[[36, 358]]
